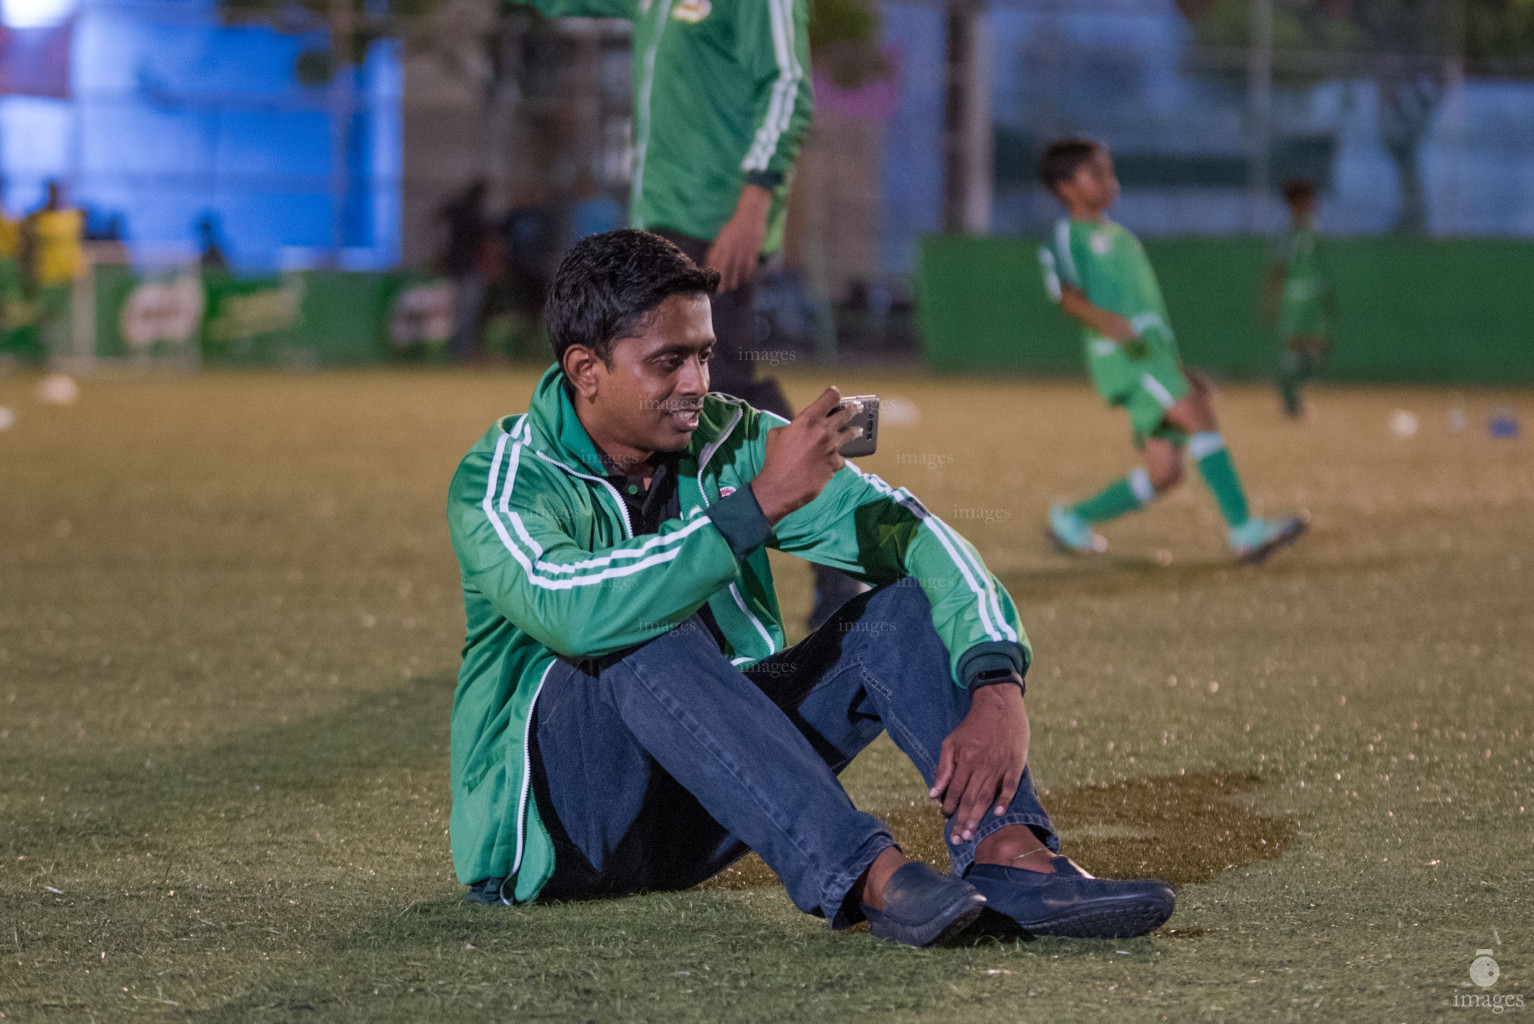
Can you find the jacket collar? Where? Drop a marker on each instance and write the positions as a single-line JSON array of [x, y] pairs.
[[553, 417]]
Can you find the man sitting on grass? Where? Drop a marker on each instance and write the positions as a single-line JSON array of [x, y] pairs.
[[628, 717]]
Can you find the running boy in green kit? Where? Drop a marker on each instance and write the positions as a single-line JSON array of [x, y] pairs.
[[1099, 274], [1298, 300]]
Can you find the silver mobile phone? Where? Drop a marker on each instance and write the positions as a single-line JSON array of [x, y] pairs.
[[867, 417]]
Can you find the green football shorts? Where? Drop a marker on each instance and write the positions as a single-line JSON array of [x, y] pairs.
[[1160, 385]]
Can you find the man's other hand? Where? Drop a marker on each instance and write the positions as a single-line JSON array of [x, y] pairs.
[[802, 456], [982, 761], [739, 245]]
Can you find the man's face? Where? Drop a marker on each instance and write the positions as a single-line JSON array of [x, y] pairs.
[[649, 399], [1094, 187]]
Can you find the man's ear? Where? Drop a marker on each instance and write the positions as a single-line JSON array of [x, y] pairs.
[[582, 367]]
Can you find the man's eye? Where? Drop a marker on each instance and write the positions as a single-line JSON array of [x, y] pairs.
[[706, 354]]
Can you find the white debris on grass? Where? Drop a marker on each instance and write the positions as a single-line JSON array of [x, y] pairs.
[[1403, 423], [58, 389], [901, 412]]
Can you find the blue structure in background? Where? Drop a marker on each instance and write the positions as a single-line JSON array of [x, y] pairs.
[[173, 115]]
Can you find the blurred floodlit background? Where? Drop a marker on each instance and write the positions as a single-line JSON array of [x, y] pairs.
[[258, 137]]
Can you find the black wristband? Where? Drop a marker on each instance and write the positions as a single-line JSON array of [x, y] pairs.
[[995, 677], [764, 179], [739, 518]]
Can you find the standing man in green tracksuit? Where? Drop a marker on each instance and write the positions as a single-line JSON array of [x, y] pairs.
[[628, 717], [722, 100]]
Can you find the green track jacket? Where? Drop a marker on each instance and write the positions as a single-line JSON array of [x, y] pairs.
[[722, 97], [551, 567]]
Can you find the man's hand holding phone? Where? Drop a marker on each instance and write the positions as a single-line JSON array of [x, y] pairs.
[[803, 456]]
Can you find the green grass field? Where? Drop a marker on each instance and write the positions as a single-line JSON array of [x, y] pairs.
[[229, 625]]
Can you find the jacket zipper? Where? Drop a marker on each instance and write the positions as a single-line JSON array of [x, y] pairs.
[[708, 453], [527, 778], [713, 446], [628, 527]]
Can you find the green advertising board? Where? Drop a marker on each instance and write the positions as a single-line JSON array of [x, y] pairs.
[[299, 320], [18, 315], [1422, 310]]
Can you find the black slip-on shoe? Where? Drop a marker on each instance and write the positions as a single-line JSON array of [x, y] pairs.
[[922, 907], [1072, 903]]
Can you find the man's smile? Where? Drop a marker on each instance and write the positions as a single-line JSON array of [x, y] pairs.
[[683, 415]]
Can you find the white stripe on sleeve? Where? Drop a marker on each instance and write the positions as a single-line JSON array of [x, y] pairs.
[[780, 107], [992, 620], [1063, 252], [669, 543]]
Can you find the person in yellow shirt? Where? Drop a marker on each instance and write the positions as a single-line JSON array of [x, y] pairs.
[[54, 259], [10, 232]]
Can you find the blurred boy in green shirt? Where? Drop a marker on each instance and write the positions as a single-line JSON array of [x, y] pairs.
[[1298, 300], [1098, 272]]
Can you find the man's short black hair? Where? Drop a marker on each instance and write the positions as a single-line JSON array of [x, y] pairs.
[[1063, 158], [607, 284], [1298, 190]]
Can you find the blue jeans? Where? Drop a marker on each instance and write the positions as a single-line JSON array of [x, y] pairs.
[[657, 768]]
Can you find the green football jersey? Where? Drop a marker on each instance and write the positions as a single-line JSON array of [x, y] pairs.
[[1305, 303], [1108, 264]]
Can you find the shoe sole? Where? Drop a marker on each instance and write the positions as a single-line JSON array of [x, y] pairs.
[[958, 916], [1125, 919], [1260, 553], [958, 925]]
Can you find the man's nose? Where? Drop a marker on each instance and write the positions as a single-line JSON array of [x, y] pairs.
[[694, 377]]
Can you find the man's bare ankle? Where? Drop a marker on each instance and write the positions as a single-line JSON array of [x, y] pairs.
[[884, 865], [1016, 846]]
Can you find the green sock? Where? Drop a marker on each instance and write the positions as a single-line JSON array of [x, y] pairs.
[[1295, 368], [1289, 388], [1219, 472], [1118, 498]]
